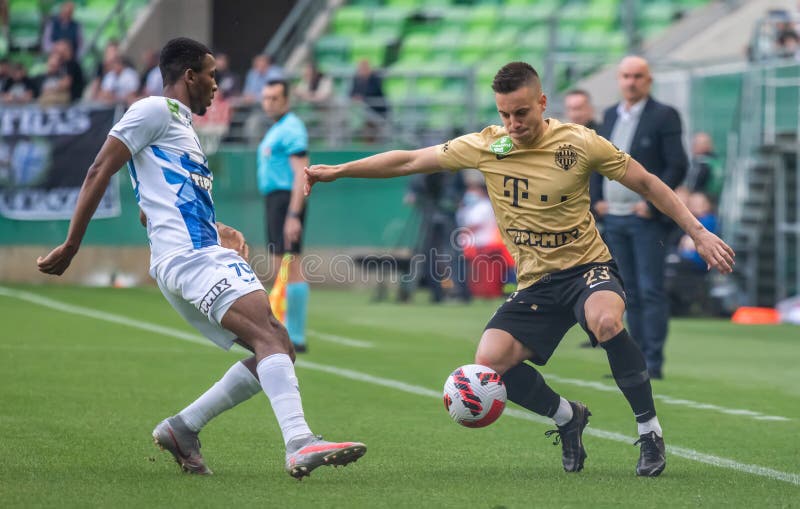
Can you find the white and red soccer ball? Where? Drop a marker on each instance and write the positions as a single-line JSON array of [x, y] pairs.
[[474, 395]]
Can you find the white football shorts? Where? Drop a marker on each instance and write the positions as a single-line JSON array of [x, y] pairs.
[[202, 284]]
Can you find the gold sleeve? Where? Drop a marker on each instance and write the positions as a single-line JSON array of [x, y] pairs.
[[604, 157], [459, 153]]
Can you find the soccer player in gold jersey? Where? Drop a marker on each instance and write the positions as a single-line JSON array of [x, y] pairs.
[[537, 174]]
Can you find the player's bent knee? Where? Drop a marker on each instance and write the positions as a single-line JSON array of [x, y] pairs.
[[605, 326], [500, 351]]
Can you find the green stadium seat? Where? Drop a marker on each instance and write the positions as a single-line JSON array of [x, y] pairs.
[[91, 18], [349, 20], [601, 16], [370, 47], [691, 4], [657, 13], [331, 49], [24, 38], [483, 17], [405, 3], [417, 47], [456, 17], [396, 88], [388, 20], [522, 18], [549, 5], [24, 17], [366, 3], [535, 39], [446, 45], [107, 4]]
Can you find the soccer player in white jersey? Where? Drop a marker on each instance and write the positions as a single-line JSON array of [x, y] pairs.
[[211, 286]]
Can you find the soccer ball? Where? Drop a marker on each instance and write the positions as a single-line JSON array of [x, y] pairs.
[[474, 395]]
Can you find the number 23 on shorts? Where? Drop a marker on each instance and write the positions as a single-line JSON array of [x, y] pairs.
[[596, 275]]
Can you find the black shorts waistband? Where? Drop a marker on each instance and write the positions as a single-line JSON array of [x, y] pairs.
[[570, 273]]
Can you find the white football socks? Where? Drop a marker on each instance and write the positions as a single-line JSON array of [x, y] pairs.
[[564, 413], [651, 425], [279, 382], [237, 385]]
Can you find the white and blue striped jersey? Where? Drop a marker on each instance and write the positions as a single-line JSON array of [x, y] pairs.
[[170, 177]]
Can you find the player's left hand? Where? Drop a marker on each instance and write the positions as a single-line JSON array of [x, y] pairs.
[[57, 261], [292, 230], [715, 252], [231, 238]]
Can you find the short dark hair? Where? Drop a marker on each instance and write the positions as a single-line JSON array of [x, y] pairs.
[[178, 55], [514, 76], [579, 91], [283, 83]]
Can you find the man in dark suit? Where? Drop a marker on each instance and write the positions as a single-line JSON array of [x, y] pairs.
[[634, 229], [578, 108]]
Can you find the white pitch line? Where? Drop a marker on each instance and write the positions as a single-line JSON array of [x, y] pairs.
[[681, 452], [670, 400], [341, 340], [100, 315]]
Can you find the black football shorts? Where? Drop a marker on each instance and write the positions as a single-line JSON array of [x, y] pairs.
[[277, 206], [540, 315]]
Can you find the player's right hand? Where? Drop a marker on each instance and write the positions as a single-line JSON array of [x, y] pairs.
[[318, 173], [57, 261], [231, 238]]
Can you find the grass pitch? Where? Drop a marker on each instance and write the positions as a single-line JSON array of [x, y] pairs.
[[85, 374]]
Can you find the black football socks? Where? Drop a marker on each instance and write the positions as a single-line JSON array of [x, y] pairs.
[[630, 372], [526, 387]]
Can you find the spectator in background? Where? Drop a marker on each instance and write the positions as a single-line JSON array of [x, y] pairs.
[[53, 87], [19, 89], [635, 231], [228, 82], [701, 207], [62, 26], [72, 68], [110, 52], [120, 83], [262, 72], [488, 260], [150, 82], [314, 87], [5, 72], [705, 171], [368, 88], [4, 19], [436, 196], [687, 283], [788, 45], [579, 110]]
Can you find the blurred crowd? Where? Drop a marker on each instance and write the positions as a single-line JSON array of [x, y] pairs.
[[777, 36], [61, 75]]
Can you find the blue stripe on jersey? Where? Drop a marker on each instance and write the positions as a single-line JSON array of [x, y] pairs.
[[184, 160], [132, 171], [194, 202]]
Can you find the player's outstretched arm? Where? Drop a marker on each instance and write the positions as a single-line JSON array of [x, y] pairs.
[[112, 156], [711, 248], [394, 163]]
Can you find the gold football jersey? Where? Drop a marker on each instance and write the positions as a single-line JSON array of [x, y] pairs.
[[540, 194]]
